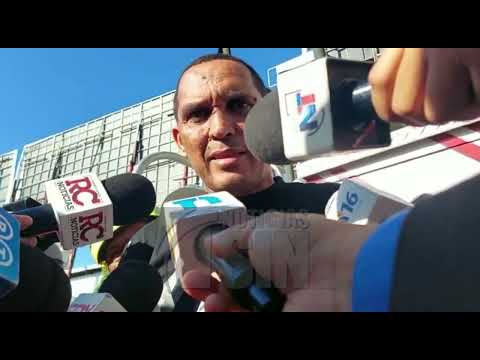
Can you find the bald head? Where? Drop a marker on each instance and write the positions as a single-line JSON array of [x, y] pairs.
[[257, 80]]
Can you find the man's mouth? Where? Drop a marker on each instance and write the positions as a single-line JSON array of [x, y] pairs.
[[226, 157]]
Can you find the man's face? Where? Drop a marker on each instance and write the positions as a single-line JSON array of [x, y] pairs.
[[214, 99]]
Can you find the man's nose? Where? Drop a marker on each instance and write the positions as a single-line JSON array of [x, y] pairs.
[[222, 125]]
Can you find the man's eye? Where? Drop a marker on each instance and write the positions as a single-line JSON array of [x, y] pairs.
[[240, 106], [198, 115]]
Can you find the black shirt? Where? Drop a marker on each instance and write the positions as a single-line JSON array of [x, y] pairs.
[[290, 197]]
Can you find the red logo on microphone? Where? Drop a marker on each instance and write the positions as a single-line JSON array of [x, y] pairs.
[[91, 222], [81, 186]]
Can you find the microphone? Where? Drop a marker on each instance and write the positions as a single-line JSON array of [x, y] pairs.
[[150, 233], [41, 285], [83, 209], [134, 286], [45, 241], [29, 279], [21, 204], [357, 202], [96, 302], [9, 252], [190, 222], [321, 107]]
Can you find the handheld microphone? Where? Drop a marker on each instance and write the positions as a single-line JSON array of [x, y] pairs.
[[96, 302], [321, 107], [190, 222], [150, 233], [45, 241], [134, 286], [357, 202], [40, 286], [83, 209], [9, 252], [21, 204]]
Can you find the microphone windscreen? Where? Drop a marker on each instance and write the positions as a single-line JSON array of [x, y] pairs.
[[263, 131], [132, 195], [136, 285], [43, 285]]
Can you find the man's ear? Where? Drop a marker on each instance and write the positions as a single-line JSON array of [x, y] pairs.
[[177, 137]]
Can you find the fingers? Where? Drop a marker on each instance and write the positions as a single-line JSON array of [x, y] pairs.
[[232, 240], [199, 285], [222, 301], [247, 239], [398, 86], [25, 221], [216, 303], [382, 79], [409, 89], [427, 86], [239, 238], [474, 66], [278, 251], [449, 90], [31, 241], [216, 297]]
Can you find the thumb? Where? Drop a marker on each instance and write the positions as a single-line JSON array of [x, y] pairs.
[[232, 240]]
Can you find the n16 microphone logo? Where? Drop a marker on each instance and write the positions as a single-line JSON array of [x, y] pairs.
[[6, 234], [347, 206]]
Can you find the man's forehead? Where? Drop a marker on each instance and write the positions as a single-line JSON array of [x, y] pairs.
[[225, 75]]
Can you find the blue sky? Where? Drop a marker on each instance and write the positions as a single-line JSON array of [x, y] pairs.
[[45, 91]]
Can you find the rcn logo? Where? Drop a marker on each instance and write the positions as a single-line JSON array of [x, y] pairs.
[[307, 111], [190, 202], [6, 234]]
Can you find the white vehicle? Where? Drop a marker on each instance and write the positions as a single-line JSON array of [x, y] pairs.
[[419, 161]]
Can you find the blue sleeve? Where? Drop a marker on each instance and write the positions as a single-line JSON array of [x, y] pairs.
[[374, 267]]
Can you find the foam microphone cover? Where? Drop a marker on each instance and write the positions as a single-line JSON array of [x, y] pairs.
[[136, 285], [263, 131], [132, 195], [43, 285]]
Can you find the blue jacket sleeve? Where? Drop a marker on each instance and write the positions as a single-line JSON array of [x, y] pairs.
[[374, 267]]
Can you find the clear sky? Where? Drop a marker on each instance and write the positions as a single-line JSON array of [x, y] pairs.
[[45, 91]]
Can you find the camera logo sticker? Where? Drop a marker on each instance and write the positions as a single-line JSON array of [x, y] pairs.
[[309, 119], [190, 202]]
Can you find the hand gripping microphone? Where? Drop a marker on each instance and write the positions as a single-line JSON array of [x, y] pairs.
[[320, 107], [190, 222]]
